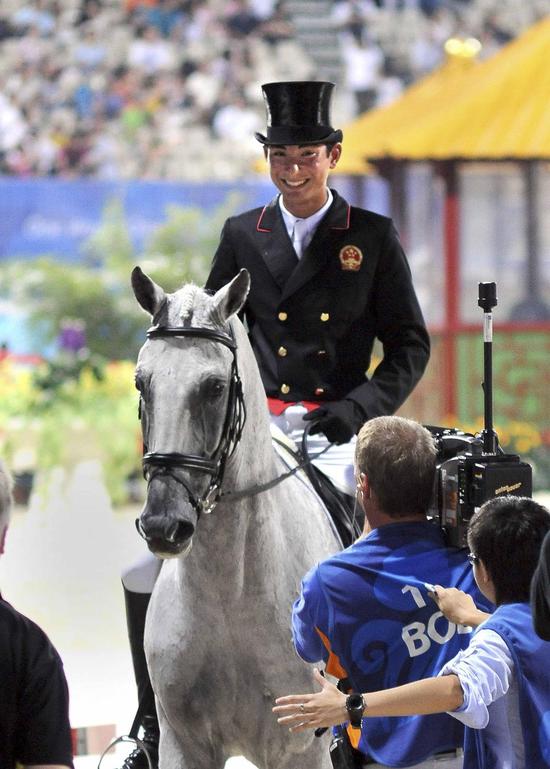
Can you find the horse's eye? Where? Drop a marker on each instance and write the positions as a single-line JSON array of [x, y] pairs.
[[213, 389]]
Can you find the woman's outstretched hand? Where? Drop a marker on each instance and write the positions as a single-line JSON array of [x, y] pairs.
[[309, 711]]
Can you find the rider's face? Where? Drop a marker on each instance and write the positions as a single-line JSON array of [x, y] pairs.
[[300, 173]]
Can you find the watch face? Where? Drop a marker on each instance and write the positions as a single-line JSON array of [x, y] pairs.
[[355, 705], [354, 701]]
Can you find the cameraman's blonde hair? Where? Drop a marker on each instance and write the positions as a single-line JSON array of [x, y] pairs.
[[398, 456], [6, 499]]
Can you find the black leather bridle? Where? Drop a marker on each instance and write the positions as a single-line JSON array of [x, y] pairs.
[[155, 462]]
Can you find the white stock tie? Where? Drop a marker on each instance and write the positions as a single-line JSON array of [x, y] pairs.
[[298, 233]]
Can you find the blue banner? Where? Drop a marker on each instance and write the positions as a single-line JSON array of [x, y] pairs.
[[55, 217]]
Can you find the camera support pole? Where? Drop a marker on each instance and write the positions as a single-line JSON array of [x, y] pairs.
[[487, 299]]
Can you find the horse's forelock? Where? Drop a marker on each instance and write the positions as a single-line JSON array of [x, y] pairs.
[[190, 306], [185, 306]]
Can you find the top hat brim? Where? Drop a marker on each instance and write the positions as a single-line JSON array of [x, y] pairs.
[[280, 136]]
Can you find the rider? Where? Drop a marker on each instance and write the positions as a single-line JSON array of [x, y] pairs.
[[327, 278]]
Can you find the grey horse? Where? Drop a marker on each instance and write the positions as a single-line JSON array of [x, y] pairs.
[[217, 638]]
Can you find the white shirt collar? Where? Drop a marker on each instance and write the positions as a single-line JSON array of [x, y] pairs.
[[310, 222]]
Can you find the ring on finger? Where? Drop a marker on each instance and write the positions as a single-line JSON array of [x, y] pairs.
[[302, 707]]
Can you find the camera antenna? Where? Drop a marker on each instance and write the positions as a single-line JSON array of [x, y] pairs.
[[487, 299]]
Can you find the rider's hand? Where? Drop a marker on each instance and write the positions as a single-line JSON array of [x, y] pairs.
[[339, 421]]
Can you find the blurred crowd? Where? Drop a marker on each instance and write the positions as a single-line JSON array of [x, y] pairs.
[[170, 89]]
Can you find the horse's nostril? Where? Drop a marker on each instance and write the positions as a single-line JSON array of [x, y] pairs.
[[180, 531], [139, 527]]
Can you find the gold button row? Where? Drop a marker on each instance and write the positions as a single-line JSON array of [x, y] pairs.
[[282, 352], [324, 316], [285, 389]]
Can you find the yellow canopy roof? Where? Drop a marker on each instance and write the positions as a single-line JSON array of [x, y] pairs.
[[499, 108], [368, 135]]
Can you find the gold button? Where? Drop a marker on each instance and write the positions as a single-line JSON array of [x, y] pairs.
[[285, 389], [319, 391], [324, 316], [282, 316], [282, 351]]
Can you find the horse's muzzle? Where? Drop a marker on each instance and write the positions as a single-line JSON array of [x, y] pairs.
[[168, 520]]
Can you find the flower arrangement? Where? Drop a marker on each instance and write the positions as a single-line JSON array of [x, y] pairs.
[[521, 438], [91, 415]]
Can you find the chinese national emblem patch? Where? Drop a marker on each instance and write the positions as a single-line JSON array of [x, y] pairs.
[[350, 258]]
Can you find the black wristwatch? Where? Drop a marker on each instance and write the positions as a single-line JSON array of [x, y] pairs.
[[355, 705]]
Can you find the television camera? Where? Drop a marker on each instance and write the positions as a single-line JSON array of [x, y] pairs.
[[473, 468]]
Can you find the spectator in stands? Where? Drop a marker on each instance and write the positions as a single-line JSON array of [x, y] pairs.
[[150, 52], [90, 52], [235, 119], [50, 46], [89, 9], [240, 19], [277, 27], [499, 687], [36, 15], [34, 706], [6, 29], [166, 16], [364, 62]]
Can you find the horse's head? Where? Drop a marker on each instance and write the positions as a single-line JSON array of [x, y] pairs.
[[190, 405]]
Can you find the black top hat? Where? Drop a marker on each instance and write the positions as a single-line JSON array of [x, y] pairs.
[[298, 113]]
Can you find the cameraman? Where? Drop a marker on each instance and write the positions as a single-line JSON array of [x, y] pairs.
[[366, 611], [500, 686]]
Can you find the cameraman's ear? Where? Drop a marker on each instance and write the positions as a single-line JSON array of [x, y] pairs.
[[364, 485]]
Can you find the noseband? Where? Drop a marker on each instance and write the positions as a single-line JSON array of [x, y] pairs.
[[235, 417]]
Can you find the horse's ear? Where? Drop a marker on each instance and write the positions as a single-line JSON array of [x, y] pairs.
[[149, 295], [230, 299]]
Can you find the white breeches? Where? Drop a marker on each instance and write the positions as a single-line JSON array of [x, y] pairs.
[[336, 462]]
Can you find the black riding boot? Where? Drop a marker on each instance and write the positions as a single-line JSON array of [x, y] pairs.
[[145, 727]]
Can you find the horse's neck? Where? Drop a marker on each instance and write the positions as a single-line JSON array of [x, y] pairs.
[[254, 460], [242, 532]]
